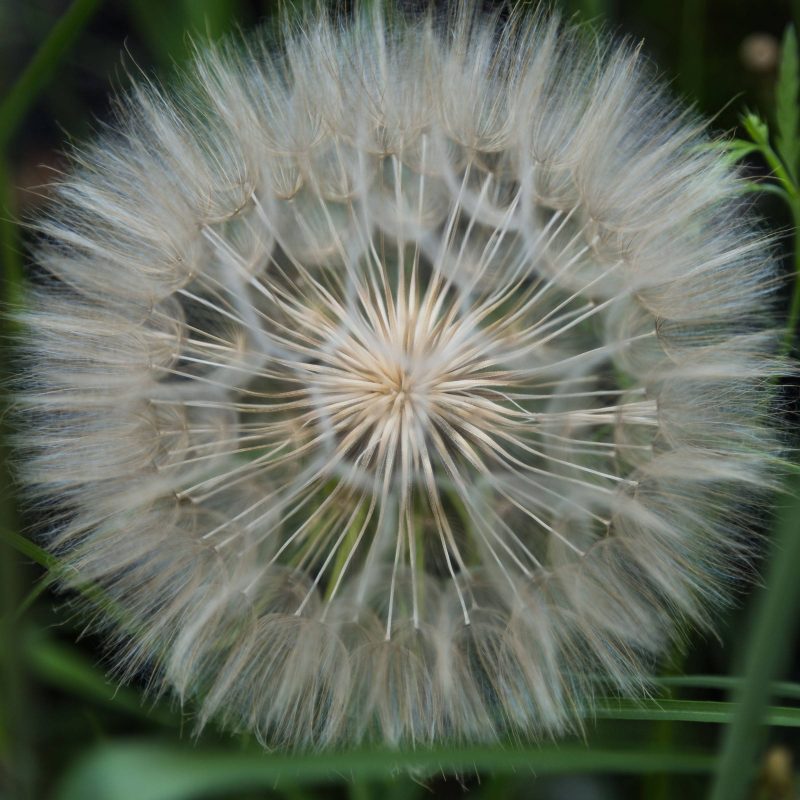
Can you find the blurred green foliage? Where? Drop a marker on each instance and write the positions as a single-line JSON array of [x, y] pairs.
[[67, 732]]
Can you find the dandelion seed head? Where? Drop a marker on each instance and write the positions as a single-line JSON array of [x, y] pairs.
[[402, 380]]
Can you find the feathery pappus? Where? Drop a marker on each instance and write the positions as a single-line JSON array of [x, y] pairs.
[[402, 379]]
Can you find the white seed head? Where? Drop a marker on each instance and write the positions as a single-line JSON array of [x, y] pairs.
[[404, 381]]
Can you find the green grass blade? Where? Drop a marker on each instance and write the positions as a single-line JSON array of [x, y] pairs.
[[772, 633], [32, 551], [727, 683], [706, 711], [36, 75], [787, 112], [137, 771], [64, 668], [94, 593]]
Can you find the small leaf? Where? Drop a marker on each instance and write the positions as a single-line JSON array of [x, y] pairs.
[[735, 150], [787, 113], [757, 128], [740, 147], [764, 187]]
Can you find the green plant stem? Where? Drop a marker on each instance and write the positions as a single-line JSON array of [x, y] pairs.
[[35, 76], [658, 785], [773, 624], [794, 307], [769, 643], [9, 242], [792, 197]]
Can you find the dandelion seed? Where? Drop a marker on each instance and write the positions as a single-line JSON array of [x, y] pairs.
[[401, 381]]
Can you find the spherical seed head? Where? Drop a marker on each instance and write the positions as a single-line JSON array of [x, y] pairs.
[[400, 381]]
